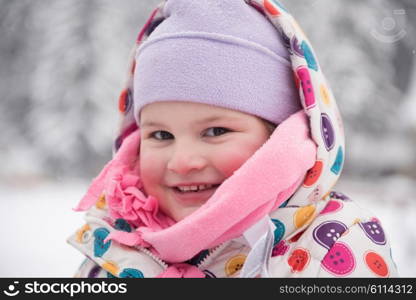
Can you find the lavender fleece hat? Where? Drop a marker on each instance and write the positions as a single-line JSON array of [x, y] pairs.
[[218, 52]]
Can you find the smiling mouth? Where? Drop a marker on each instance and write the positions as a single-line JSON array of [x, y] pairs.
[[197, 190]]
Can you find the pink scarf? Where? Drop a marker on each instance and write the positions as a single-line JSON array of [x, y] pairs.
[[258, 187]]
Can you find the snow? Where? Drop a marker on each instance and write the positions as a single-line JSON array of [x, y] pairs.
[[38, 218]]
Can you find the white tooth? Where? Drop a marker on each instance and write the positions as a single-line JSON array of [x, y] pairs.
[[205, 186], [195, 187], [187, 188]]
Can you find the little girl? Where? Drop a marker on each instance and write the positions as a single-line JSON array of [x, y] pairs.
[[230, 145]]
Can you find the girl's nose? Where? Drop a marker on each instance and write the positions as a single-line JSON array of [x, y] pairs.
[[185, 160]]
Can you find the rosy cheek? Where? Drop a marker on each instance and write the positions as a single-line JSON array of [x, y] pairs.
[[234, 155], [230, 161], [151, 172]]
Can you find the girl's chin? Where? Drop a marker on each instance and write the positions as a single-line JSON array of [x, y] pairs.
[[181, 213]]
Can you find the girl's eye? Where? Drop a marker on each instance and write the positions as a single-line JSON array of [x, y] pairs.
[[161, 135], [164, 135], [215, 131]]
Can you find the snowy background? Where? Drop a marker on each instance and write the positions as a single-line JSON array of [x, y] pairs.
[[62, 65]]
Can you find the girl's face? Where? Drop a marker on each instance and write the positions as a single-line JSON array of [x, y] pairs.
[[188, 149]]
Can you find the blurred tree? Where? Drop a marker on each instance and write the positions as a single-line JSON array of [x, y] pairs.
[[67, 61], [63, 64], [366, 49]]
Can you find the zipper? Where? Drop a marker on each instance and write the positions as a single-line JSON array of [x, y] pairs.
[[149, 253], [211, 253]]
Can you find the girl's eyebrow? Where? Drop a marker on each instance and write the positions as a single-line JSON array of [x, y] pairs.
[[206, 120], [150, 124]]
